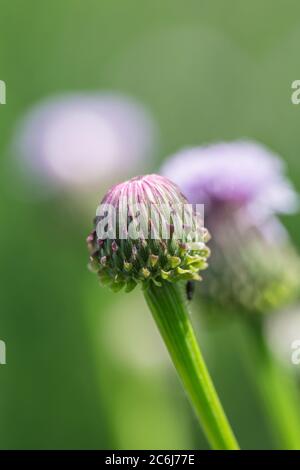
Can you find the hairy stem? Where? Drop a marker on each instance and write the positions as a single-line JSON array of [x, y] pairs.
[[172, 318]]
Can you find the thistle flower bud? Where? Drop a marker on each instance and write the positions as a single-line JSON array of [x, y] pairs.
[[249, 273], [254, 266], [146, 232]]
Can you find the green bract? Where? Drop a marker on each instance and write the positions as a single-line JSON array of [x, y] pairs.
[[257, 277]]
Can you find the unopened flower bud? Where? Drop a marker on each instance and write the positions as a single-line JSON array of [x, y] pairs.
[[158, 247]]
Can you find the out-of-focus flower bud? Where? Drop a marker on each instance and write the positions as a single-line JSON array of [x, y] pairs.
[[242, 185]]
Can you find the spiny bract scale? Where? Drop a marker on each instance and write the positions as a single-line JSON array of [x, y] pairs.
[[125, 263]]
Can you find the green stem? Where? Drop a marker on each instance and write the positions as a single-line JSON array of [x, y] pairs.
[[172, 318], [277, 388]]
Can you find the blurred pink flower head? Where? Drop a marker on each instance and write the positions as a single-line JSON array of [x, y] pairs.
[[240, 174], [84, 139], [243, 187]]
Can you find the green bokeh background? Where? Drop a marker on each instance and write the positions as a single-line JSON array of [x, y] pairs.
[[82, 368]]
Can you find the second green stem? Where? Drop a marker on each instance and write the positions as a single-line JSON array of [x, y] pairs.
[[277, 388]]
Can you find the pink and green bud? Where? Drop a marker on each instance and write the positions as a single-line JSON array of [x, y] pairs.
[[146, 232]]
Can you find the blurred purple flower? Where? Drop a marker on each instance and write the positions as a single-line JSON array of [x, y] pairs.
[[84, 139], [243, 187], [241, 173]]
